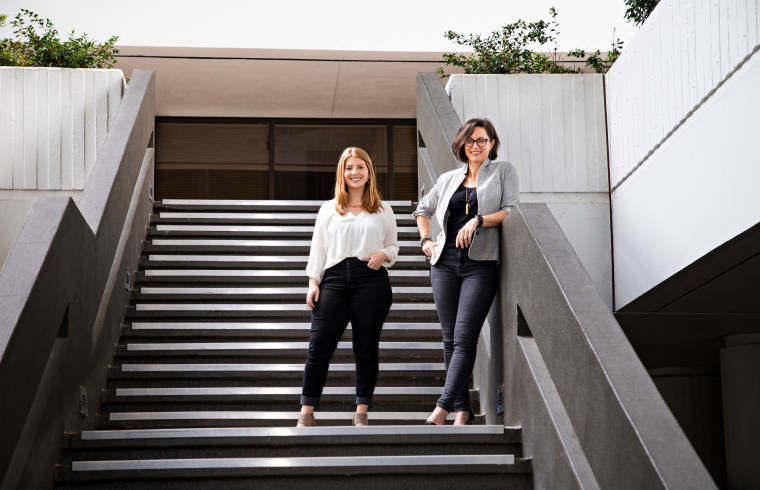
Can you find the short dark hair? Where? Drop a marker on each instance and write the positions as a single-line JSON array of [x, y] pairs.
[[464, 133]]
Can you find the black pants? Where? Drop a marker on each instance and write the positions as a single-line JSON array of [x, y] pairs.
[[350, 291], [463, 290]]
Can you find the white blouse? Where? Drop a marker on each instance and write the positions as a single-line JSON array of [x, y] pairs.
[[338, 237]]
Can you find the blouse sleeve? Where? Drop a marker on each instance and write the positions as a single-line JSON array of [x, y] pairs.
[[318, 252], [390, 241], [510, 188]]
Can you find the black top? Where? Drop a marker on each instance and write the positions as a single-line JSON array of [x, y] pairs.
[[457, 217]]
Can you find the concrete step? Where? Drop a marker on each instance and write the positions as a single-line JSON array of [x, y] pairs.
[[217, 276], [210, 330], [260, 205], [327, 436], [251, 245], [423, 472], [250, 218], [330, 403], [274, 348], [283, 293], [252, 231], [416, 312], [255, 261], [425, 395], [151, 375], [252, 418]]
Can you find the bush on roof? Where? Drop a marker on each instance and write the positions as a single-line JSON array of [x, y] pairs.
[[36, 43]]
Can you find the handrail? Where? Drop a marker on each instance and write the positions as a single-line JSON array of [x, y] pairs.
[[568, 363], [62, 265]]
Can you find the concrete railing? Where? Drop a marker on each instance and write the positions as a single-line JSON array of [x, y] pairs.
[[681, 109], [590, 413], [53, 124], [62, 297]]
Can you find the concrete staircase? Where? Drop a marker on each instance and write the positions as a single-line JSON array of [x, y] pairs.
[[203, 391]]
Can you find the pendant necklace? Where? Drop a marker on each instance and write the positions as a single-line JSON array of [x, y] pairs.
[[467, 202]]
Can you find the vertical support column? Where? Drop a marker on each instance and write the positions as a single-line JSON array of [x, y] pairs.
[[740, 376], [270, 147]]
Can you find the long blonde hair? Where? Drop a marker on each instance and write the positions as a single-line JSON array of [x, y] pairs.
[[371, 200]]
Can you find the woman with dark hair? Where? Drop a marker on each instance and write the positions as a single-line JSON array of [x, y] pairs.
[[468, 204], [354, 242]]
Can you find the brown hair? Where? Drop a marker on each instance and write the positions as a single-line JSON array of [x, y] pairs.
[[464, 133], [371, 200]]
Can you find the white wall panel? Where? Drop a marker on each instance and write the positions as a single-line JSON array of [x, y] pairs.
[[53, 123], [78, 132], [684, 50], [27, 176], [551, 126], [697, 191], [54, 129], [6, 130]]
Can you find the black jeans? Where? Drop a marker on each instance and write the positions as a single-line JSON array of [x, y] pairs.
[[463, 290], [349, 291]]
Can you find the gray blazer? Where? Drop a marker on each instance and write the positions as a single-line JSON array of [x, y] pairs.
[[498, 189]]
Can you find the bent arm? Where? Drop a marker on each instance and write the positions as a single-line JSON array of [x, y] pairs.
[[390, 241]]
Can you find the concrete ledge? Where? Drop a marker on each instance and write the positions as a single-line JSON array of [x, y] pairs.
[[626, 431]]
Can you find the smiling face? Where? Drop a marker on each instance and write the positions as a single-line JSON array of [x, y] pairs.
[[355, 173], [478, 154]]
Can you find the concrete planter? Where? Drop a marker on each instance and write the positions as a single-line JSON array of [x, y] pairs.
[[53, 122]]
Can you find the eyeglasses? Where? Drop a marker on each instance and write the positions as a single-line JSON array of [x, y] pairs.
[[480, 141]]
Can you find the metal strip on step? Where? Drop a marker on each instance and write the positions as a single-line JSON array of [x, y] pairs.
[[263, 326], [295, 462], [257, 273], [249, 216], [257, 202], [261, 415], [242, 216], [232, 242], [262, 290], [258, 258], [255, 228], [271, 367], [175, 346], [229, 242], [260, 307], [370, 430], [273, 391]]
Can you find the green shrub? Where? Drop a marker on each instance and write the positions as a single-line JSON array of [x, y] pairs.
[[639, 10], [508, 50], [36, 43], [596, 61]]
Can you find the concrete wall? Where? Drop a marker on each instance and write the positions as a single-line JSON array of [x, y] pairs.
[[683, 128], [53, 123], [14, 206], [552, 129]]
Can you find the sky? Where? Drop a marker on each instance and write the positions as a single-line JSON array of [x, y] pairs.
[[386, 25]]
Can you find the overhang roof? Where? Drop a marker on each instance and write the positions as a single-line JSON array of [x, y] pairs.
[[270, 83]]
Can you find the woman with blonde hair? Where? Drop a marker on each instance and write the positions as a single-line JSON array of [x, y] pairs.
[[354, 243]]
